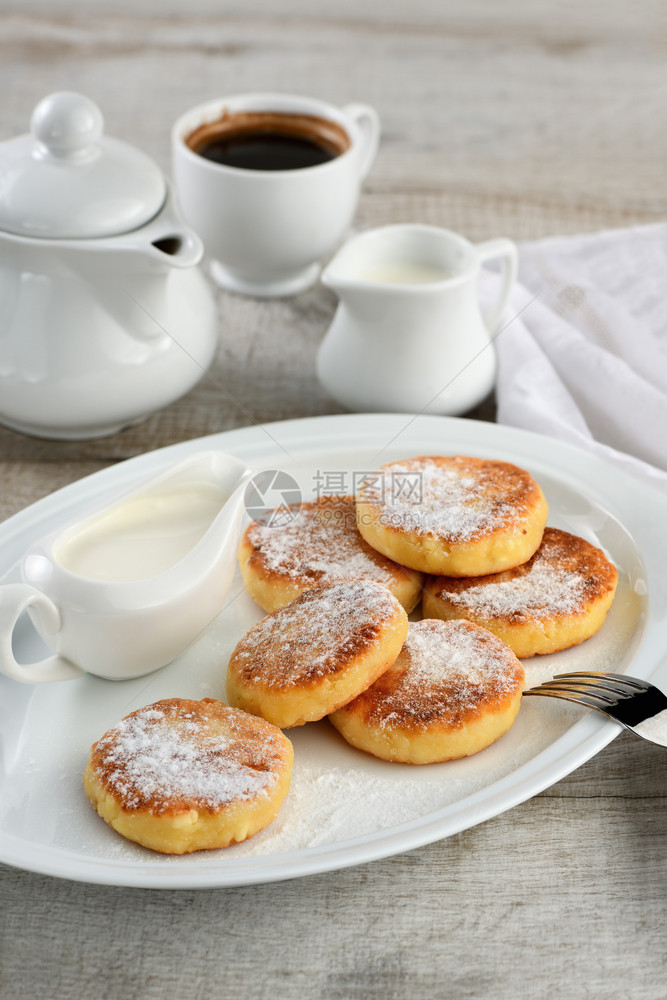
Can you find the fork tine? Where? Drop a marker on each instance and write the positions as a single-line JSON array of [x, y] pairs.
[[634, 704], [601, 698], [609, 693], [568, 694], [598, 675]]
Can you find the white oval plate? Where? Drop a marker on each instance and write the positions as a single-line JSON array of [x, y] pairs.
[[344, 807]]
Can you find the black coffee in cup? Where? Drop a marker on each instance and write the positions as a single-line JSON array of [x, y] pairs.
[[268, 140]]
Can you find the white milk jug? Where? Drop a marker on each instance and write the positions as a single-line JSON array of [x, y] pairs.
[[409, 334]]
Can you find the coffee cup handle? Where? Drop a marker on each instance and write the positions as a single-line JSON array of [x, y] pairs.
[[368, 121], [506, 252], [14, 599]]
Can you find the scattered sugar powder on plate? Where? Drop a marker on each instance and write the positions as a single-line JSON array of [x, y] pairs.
[[155, 759], [331, 804]]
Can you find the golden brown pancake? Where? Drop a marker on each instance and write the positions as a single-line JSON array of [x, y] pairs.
[[454, 689], [559, 598], [308, 658], [454, 516], [180, 775], [320, 545]]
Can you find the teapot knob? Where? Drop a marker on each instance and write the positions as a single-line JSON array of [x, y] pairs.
[[67, 125]]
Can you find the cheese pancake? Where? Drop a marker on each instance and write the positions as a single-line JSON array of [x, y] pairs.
[[453, 516], [320, 544], [454, 689], [307, 659], [559, 598], [181, 775]]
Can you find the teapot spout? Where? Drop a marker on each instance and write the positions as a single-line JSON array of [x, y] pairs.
[[166, 239], [177, 249]]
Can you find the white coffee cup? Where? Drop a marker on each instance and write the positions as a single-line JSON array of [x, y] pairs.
[[265, 231]]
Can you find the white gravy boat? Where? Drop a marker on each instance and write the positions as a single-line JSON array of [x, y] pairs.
[[409, 335], [124, 590]]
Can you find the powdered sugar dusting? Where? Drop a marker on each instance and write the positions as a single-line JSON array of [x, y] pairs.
[[322, 544], [543, 588], [155, 759], [457, 498], [317, 634], [565, 573], [440, 655], [445, 670]]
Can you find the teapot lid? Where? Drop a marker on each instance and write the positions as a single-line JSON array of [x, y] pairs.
[[66, 180]]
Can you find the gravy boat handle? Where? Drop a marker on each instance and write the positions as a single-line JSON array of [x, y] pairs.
[[14, 599], [506, 252]]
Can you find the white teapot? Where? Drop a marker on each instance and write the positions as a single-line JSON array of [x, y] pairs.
[[104, 317]]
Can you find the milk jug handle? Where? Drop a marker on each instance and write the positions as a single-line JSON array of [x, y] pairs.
[[505, 251], [14, 599], [368, 121]]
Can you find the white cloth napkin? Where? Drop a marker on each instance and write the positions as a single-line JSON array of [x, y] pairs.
[[583, 353]]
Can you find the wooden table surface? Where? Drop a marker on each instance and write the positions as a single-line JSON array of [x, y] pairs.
[[516, 119]]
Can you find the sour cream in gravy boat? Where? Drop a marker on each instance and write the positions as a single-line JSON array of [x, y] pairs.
[[125, 589]]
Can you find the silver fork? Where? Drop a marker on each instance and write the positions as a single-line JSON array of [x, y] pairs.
[[640, 707]]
